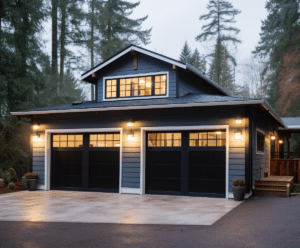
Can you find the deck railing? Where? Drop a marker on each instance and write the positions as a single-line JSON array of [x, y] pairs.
[[286, 167], [285, 155]]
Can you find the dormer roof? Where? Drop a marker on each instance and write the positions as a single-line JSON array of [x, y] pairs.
[[87, 75]]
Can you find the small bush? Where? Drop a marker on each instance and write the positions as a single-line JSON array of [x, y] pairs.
[[13, 174], [297, 188], [7, 177], [11, 186], [32, 175], [239, 182], [24, 181], [1, 173]]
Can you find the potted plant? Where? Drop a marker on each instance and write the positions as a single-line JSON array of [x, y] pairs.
[[32, 179], [239, 189]]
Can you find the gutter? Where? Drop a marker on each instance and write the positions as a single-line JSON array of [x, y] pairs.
[[185, 105]]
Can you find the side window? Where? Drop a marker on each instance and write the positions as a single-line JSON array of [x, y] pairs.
[[260, 142]]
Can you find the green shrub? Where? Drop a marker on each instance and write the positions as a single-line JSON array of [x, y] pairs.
[[297, 188], [11, 186], [7, 177], [239, 182], [1, 173], [13, 174], [24, 181], [32, 175]]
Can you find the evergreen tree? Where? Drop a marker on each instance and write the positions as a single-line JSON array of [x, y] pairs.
[[198, 61], [93, 36], [220, 70], [117, 30], [185, 55], [221, 13], [279, 36]]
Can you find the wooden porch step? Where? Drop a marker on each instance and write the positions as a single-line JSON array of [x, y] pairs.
[[270, 183], [271, 187], [271, 192], [274, 185]]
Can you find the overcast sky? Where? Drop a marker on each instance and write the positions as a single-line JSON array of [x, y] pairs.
[[177, 21]]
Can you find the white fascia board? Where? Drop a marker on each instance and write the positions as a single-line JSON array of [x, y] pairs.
[[128, 50], [290, 128], [186, 105]]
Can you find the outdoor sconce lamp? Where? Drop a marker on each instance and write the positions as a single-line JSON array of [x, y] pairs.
[[36, 126], [130, 124], [130, 135], [238, 135], [238, 120], [273, 137], [36, 137], [280, 141]]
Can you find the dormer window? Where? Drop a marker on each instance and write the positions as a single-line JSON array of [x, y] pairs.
[[143, 86]]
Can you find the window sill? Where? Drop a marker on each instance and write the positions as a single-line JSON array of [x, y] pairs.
[[260, 153]]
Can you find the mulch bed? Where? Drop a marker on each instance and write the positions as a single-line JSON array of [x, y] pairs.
[[19, 187]]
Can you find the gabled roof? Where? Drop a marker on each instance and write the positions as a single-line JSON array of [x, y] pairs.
[[154, 55]]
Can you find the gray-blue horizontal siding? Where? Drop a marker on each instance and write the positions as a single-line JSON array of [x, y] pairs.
[[191, 83], [149, 118], [146, 64]]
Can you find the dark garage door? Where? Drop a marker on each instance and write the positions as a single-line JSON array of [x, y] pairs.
[[186, 163], [88, 162]]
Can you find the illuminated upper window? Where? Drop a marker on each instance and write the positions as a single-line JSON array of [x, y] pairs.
[[136, 87]]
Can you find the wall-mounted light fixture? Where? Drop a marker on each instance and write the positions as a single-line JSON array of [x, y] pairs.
[[238, 135], [130, 135], [36, 126], [273, 137], [130, 124], [238, 120], [36, 137], [280, 141]]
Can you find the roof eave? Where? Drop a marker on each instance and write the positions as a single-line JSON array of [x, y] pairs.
[[182, 105]]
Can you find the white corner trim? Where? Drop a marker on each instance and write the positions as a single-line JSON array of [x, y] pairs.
[[41, 186], [136, 97], [180, 128], [48, 133], [130, 191], [154, 55]]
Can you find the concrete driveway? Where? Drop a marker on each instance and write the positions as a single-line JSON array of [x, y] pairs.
[[94, 207]]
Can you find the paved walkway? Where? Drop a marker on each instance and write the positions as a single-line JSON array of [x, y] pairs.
[[94, 207]]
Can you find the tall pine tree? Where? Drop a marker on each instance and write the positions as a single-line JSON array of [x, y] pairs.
[[116, 28], [198, 61], [221, 13], [279, 37], [185, 55]]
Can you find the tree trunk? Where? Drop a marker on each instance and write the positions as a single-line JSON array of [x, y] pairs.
[[54, 39], [92, 47], [62, 39]]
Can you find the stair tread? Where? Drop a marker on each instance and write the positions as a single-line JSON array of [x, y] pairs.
[[270, 185], [281, 190]]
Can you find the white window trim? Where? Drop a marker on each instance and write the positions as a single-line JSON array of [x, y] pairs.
[[264, 133], [48, 133], [136, 97], [180, 128]]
